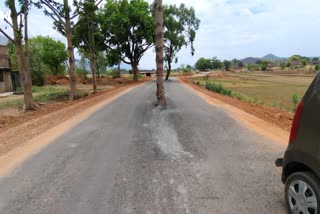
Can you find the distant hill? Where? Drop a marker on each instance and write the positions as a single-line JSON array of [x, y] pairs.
[[3, 40], [250, 60], [269, 57], [272, 57]]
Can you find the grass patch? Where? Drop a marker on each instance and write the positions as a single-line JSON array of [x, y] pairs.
[[280, 90], [217, 88], [42, 95]]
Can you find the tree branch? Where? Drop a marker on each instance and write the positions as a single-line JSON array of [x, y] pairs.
[[16, 30], [6, 35], [123, 60], [56, 12]]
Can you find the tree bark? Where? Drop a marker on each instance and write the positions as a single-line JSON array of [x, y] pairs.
[[161, 98], [28, 98], [72, 66], [93, 70], [119, 70], [135, 71], [23, 59], [169, 70]]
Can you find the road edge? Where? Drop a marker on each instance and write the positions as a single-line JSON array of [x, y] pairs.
[[11, 160], [250, 121]]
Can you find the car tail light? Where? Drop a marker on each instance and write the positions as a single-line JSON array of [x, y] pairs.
[[296, 122]]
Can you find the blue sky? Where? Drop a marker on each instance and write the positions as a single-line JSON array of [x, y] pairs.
[[233, 28]]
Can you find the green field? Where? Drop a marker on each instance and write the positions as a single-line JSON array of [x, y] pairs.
[[42, 95], [272, 89]]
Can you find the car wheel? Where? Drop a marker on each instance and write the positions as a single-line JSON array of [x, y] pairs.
[[302, 193]]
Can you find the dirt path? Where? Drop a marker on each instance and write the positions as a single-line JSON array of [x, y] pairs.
[[270, 122], [32, 124]]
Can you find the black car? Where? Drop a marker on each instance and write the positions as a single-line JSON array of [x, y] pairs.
[[301, 161]]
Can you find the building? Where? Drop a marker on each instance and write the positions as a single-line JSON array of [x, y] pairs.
[[148, 73], [5, 71]]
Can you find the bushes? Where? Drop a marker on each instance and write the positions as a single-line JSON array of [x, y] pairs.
[[113, 73], [218, 88]]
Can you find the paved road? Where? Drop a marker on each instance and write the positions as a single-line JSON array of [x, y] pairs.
[[132, 158]]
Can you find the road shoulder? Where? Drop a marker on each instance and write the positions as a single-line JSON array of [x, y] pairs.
[[21, 142], [252, 122]]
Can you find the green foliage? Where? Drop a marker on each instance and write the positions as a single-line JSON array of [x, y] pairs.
[[216, 63], [47, 57], [237, 64], [288, 64], [217, 88], [81, 67], [252, 67], [295, 99], [113, 73], [226, 65], [87, 35], [264, 65], [101, 63], [13, 56], [317, 67], [203, 64], [128, 29], [180, 26], [304, 62], [295, 61], [282, 65]]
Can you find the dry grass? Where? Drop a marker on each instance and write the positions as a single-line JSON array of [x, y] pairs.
[[272, 89]]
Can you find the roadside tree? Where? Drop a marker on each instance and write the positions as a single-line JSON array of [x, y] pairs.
[[128, 28], [87, 35], [180, 26], [19, 25]]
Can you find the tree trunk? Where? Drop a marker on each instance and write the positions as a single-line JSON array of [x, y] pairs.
[[169, 70], [135, 71], [56, 70], [72, 66], [93, 70], [28, 98], [23, 59], [119, 70], [161, 98]]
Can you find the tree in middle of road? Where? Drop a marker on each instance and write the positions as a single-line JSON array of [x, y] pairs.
[[161, 98]]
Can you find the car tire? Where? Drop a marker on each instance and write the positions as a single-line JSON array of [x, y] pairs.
[[302, 193]]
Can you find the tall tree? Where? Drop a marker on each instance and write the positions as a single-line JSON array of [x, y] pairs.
[[19, 19], [161, 98], [203, 64], [180, 26], [87, 35], [47, 56], [51, 52], [62, 19], [101, 63], [128, 28]]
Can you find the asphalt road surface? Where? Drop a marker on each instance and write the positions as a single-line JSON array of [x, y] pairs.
[[130, 157]]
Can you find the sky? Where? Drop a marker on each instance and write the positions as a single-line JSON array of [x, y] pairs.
[[230, 29]]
